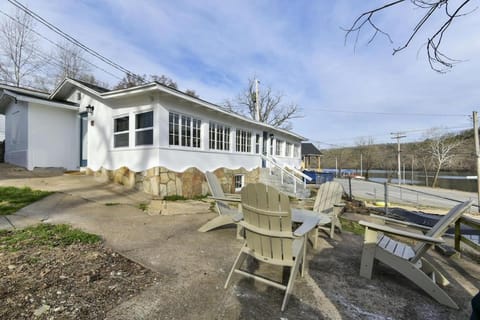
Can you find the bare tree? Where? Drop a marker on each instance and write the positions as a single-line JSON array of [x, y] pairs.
[[18, 61], [272, 108], [438, 61], [71, 61], [367, 151], [440, 149], [163, 79], [130, 80], [192, 93]]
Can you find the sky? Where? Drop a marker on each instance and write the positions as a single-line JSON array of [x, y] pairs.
[[346, 92]]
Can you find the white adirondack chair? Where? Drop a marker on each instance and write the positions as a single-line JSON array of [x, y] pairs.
[[407, 260], [269, 237], [327, 206], [226, 214]]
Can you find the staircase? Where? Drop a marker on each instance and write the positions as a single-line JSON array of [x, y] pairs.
[[284, 178]]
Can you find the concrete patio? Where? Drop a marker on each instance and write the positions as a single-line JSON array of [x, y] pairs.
[[193, 266]]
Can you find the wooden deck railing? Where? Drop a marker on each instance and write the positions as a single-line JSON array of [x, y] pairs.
[[474, 223]]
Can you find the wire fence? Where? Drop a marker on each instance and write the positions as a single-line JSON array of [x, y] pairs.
[[387, 194]]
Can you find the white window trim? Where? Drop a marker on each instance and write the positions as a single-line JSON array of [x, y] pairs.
[[144, 129], [125, 115], [180, 146], [247, 139], [242, 182], [229, 140]]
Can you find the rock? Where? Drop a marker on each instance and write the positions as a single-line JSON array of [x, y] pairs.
[[39, 311], [11, 267]]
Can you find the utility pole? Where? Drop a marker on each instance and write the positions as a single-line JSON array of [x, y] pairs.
[[398, 136], [361, 164], [477, 153], [257, 101]]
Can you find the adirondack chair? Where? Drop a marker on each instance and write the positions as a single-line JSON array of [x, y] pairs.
[[327, 205], [226, 214], [407, 260], [269, 237]]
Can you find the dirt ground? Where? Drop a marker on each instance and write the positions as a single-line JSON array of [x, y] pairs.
[[189, 268], [79, 281]]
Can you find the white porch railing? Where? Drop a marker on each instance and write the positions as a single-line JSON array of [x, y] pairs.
[[289, 171]]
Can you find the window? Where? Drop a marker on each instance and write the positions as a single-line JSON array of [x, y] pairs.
[[144, 128], [120, 132], [183, 130], [239, 181], [257, 143], [218, 137], [173, 129], [279, 148], [243, 142], [271, 145], [186, 131], [296, 151], [288, 149], [196, 124]]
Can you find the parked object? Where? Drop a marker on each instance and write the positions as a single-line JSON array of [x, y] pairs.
[[327, 205], [319, 177], [410, 261], [269, 237], [226, 214]]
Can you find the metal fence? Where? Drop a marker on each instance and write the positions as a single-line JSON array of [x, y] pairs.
[[387, 194]]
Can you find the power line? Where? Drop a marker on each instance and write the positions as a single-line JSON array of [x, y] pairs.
[[394, 113], [71, 39], [59, 46]]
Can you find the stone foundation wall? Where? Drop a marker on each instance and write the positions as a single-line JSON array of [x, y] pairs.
[[162, 182]]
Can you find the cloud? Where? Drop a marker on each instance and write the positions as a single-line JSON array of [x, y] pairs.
[[296, 47]]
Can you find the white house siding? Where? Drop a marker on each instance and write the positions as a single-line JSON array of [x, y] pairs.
[[53, 137], [102, 154], [16, 129]]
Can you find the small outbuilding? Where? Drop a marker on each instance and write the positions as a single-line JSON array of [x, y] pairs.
[[311, 157]]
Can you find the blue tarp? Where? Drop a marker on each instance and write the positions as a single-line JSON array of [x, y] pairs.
[[319, 177]]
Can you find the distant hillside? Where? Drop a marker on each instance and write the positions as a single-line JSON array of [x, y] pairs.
[[384, 156]]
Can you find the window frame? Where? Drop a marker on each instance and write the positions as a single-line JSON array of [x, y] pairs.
[[219, 137], [243, 142], [117, 133], [144, 129], [288, 149], [279, 148], [242, 182], [194, 127]]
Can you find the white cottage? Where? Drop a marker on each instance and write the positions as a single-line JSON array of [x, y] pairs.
[[138, 132]]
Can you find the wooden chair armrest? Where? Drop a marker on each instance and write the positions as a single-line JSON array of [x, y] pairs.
[[237, 217], [402, 233], [400, 222], [308, 225], [226, 199], [233, 195]]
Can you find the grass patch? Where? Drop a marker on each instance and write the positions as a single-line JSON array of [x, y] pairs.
[[45, 235], [352, 226], [109, 204], [13, 199], [174, 197], [143, 206]]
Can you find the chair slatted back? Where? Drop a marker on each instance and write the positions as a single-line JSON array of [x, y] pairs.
[[329, 193], [441, 227], [217, 191], [267, 222]]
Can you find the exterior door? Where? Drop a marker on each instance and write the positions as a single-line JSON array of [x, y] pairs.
[[83, 139]]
